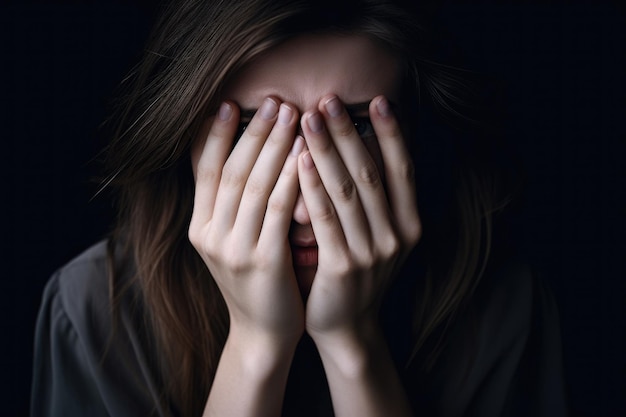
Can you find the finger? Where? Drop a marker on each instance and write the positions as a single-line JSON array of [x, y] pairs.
[[324, 221], [240, 163], [399, 170], [265, 173], [337, 181], [360, 164], [213, 154], [282, 199]]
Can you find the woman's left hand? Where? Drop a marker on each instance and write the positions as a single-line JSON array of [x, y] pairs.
[[364, 217]]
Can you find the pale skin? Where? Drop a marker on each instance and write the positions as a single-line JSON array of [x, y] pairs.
[[304, 223]]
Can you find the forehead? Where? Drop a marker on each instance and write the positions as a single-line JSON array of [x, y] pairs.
[[306, 68]]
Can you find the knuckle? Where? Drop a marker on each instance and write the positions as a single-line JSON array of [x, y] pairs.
[[206, 174], [406, 169], [345, 129], [210, 249], [199, 237], [391, 247], [231, 177], [367, 260], [368, 174], [237, 261], [276, 205], [255, 187], [325, 213], [256, 130], [343, 265], [345, 189], [413, 231], [194, 236], [236, 266], [264, 259], [212, 252]]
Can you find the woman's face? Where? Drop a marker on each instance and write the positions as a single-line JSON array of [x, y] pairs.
[[302, 71]]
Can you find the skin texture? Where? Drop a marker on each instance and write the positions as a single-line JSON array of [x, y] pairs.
[[305, 222]]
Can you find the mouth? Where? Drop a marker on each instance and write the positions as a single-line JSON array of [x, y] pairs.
[[304, 253]]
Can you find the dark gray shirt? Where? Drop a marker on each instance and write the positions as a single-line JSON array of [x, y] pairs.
[[503, 359]]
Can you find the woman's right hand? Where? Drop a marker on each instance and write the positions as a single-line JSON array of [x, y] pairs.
[[242, 212]]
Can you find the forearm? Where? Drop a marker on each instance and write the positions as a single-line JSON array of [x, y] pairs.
[[250, 378], [361, 375]]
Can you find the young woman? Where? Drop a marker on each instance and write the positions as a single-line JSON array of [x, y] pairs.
[[270, 256]]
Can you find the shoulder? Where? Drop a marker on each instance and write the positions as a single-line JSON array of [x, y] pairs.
[[80, 290], [503, 301], [88, 360], [513, 303], [497, 319], [67, 343], [503, 354], [85, 270]]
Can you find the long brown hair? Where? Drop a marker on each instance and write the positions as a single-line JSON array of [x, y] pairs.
[[195, 48]]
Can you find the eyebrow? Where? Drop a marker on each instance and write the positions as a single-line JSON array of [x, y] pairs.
[[353, 109]]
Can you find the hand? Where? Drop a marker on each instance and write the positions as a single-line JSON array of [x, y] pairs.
[[365, 221], [243, 206]]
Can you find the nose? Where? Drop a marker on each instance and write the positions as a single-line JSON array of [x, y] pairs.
[[300, 213]]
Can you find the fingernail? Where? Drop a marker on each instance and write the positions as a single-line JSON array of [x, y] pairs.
[[297, 146], [315, 122], [225, 112], [333, 106], [307, 160], [268, 109], [383, 107], [284, 114]]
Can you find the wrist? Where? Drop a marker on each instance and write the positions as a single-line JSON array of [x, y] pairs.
[[251, 375], [361, 374], [352, 352], [258, 353]]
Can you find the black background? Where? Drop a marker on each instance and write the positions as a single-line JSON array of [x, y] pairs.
[[563, 67]]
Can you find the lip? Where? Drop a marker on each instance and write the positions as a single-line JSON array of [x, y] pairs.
[[304, 255], [303, 242]]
